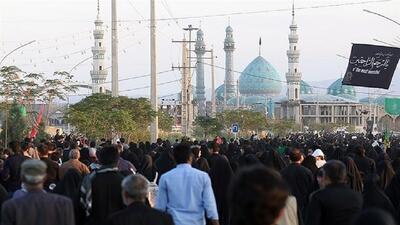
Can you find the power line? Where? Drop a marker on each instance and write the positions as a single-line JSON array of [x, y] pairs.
[[265, 11], [284, 81], [145, 87], [140, 76]]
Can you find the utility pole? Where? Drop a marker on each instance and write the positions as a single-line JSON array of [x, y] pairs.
[[114, 49], [187, 109], [153, 72], [213, 103], [237, 95]]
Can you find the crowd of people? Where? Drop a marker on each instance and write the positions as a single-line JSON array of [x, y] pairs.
[[300, 179]]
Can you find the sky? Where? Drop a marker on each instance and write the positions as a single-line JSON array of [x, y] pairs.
[[63, 33]]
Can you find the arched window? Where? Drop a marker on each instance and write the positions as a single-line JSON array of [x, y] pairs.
[[101, 90], [296, 94], [99, 44], [100, 67]]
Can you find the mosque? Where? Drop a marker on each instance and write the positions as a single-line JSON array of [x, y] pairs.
[[260, 88]]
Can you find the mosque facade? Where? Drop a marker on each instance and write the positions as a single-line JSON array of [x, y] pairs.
[[260, 88]]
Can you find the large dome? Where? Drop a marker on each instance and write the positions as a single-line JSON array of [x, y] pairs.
[[260, 78], [344, 91], [219, 92]]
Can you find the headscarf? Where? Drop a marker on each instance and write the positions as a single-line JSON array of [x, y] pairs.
[[272, 159], [353, 175], [310, 163]]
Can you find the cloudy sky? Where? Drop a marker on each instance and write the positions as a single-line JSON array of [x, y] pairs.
[[62, 30]]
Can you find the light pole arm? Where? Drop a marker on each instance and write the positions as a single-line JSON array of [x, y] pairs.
[[375, 13], [1, 62]]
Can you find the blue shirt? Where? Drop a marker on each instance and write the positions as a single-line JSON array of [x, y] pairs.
[[186, 194]]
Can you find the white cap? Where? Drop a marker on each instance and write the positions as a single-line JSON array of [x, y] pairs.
[[375, 144], [318, 152]]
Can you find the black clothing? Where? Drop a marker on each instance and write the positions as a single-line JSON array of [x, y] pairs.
[[272, 159], [221, 174], [310, 163], [334, 205], [3, 196], [393, 190], [148, 170], [102, 194], [374, 197], [131, 157], [52, 173], [301, 183], [69, 187], [365, 165], [140, 214], [11, 173], [164, 163]]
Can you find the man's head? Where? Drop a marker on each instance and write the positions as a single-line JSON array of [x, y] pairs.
[[296, 156], [33, 173], [333, 172], [92, 144], [182, 154], [43, 150], [257, 196], [74, 154], [135, 188], [359, 150], [14, 147], [108, 155]]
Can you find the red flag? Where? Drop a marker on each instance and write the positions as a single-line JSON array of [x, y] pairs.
[[35, 127]]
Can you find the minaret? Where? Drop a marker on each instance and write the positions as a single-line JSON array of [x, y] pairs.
[[200, 49], [99, 72], [229, 47], [293, 76]]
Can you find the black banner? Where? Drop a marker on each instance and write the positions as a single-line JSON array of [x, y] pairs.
[[371, 66]]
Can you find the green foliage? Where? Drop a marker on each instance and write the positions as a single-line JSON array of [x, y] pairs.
[[16, 123], [165, 121], [101, 115], [29, 88], [248, 120], [207, 127], [42, 135], [282, 127]]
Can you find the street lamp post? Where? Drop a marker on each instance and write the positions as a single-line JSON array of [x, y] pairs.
[[6, 113]]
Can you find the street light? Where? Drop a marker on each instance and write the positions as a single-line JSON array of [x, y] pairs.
[[2, 60], [6, 113], [383, 16]]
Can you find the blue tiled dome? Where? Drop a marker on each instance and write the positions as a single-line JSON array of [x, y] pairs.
[[260, 78], [344, 91], [219, 93], [305, 88]]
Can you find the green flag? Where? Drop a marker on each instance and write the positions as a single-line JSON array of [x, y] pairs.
[[392, 106]]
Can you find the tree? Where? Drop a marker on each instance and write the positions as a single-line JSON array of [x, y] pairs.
[[207, 126], [282, 127], [104, 116], [29, 88], [17, 127], [165, 121], [248, 120]]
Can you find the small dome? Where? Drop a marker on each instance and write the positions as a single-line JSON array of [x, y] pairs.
[[229, 29], [305, 88], [260, 78], [344, 91], [379, 100], [219, 93], [200, 32]]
